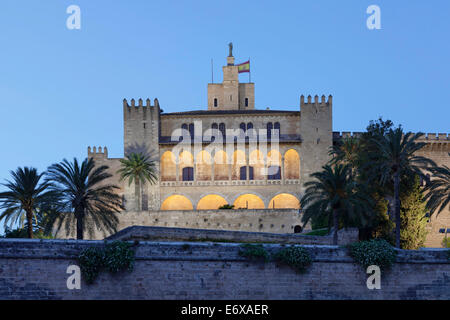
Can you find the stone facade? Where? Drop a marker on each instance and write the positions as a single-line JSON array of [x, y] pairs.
[[197, 170], [37, 269]]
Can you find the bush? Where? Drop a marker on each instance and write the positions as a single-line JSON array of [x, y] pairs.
[[446, 242], [226, 206], [297, 257], [373, 252], [114, 257], [254, 251]]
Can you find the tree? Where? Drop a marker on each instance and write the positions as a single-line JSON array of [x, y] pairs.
[[413, 217], [438, 189], [395, 153], [85, 196], [27, 195], [336, 196], [139, 168]]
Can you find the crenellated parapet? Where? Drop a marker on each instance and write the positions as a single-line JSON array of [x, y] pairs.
[[323, 101], [98, 153]]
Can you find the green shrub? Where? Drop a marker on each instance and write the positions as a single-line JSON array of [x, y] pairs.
[[297, 257], [254, 251], [226, 206], [91, 262], [114, 257], [446, 242], [373, 252]]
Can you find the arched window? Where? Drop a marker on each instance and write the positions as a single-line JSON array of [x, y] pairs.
[[274, 173], [277, 127], [184, 126], [191, 130], [246, 102], [249, 126], [243, 173], [269, 130], [222, 128], [242, 126], [215, 102]]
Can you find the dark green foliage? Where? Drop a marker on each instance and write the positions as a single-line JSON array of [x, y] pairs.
[[86, 197], [26, 200], [254, 251], [226, 206], [373, 252], [413, 220], [23, 233], [438, 189], [446, 243], [295, 256], [91, 262], [114, 257], [335, 196], [318, 232]]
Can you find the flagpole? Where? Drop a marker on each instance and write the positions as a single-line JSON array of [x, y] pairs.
[[249, 72], [212, 72]]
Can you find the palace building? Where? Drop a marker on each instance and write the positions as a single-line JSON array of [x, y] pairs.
[[232, 153]]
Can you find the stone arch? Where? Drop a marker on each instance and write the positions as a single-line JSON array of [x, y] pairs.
[[284, 201], [177, 202], [168, 167], [211, 202], [291, 164], [239, 160], [256, 160], [274, 164], [249, 201], [220, 165], [203, 166], [186, 159]]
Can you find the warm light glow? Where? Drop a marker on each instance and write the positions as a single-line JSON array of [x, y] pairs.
[[220, 165], [291, 164], [168, 167], [203, 165], [177, 202], [211, 202], [284, 201], [239, 160], [256, 160], [249, 201]]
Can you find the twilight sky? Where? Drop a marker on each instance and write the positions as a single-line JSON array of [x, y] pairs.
[[61, 90]]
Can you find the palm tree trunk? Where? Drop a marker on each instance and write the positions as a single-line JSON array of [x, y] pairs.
[[30, 223], [397, 208], [79, 213], [336, 226], [137, 193]]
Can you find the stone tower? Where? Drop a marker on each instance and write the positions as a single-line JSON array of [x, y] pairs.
[[141, 125], [316, 134], [230, 94]]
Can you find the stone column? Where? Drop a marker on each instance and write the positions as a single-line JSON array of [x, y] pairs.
[[282, 169]]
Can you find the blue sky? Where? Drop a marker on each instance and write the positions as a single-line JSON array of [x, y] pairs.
[[61, 90]]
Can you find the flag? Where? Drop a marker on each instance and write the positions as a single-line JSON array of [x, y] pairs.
[[244, 67]]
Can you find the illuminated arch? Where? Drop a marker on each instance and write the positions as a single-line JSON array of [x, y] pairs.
[[256, 160], [177, 202], [284, 201], [274, 164], [203, 166], [239, 160], [211, 202], [168, 167], [249, 201], [186, 159], [291, 164], [220, 165]]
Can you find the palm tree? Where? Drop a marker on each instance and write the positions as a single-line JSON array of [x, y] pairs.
[[26, 196], [139, 168], [347, 151], [86, 196], [336, 196], [395, 153], [438, 195]]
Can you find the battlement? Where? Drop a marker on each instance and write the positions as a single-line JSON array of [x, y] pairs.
[[98, 153], [426, 137], [323, 100], [141, 103]]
